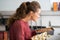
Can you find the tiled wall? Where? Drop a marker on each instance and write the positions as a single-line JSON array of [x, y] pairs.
[[55, 20]]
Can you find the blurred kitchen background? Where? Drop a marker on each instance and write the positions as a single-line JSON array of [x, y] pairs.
[[50, 14]]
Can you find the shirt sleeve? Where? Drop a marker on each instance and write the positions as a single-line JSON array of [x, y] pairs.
[[33, 32], [19, 30]]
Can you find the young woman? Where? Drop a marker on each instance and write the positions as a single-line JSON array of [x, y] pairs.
[[18, 23]]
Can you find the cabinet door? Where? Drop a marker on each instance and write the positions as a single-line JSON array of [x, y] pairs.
[[5, 36], [1, 35]]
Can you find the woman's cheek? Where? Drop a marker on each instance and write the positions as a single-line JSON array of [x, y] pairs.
[[35, 18]]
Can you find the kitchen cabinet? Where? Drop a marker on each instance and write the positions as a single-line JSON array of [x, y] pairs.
[[3, 35]]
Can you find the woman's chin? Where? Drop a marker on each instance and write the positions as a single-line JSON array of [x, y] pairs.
[[35, 20]]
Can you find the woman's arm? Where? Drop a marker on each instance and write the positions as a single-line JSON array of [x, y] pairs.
[[33, 32], [19, 30]]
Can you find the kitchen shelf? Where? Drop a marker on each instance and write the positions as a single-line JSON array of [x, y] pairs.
[[55, 26], [7, 14], [50, 13]]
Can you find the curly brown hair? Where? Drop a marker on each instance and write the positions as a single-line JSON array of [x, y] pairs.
[[23, 10]]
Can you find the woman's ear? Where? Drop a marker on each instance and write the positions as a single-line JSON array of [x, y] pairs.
[[31, 13]]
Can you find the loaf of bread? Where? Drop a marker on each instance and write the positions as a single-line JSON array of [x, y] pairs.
[[41, 36]]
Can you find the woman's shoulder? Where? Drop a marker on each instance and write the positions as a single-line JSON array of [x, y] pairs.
[[18, 22]]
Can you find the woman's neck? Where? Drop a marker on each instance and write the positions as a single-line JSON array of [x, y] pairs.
[[26, 19]]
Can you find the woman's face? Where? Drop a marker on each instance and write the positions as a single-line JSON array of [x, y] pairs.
[[36, 15]]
